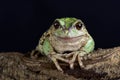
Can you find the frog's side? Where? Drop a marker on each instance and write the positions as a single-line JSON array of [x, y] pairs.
[[66, 35]]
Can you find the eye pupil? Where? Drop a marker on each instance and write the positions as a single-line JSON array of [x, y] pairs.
[[78, 26], [56, 24]]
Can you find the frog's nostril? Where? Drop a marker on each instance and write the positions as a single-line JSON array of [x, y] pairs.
[[66, 31]]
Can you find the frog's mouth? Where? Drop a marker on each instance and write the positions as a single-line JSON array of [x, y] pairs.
[[69, 39]]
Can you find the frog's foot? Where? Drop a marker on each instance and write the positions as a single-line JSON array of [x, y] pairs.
[[80, 58], [56, 64], [55, 58], [79, 55]]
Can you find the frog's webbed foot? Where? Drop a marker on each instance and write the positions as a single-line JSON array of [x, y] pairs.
[[56, 64], [65, 56], [79, 55], [55, 57], [75, 55]]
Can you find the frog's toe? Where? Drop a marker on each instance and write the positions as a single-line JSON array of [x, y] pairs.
[[80, 58], [72, 66]]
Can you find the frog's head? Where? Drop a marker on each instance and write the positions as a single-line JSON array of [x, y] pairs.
[[69, 28]]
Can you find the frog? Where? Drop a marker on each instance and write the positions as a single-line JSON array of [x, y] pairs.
[[67, 40]]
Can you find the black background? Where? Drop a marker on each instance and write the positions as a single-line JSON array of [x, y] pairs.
[[22, 22]]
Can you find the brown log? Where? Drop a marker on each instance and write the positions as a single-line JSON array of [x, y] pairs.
[[101, 64]]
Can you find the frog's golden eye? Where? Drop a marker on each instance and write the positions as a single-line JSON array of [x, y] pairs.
[[56, 24], [78, 25]]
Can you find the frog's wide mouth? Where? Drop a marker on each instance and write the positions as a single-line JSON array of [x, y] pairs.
[[69, 39]]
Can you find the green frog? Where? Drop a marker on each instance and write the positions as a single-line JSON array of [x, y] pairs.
[[67, 40]]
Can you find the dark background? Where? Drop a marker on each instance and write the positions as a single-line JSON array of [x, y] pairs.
[[22, 22]]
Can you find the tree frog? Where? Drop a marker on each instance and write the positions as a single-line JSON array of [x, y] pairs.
[[67, 40]]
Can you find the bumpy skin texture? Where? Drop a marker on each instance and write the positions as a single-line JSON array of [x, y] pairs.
[[66, 40]]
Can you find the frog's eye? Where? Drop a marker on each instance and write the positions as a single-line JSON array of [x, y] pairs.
[[56, 24], [78, 25]]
